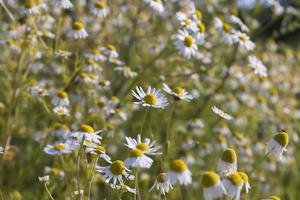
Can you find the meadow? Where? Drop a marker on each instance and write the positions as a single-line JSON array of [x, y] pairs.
[[149, 99]]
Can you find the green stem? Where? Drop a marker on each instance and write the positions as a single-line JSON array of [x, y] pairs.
[[92, 176], [78, 167], [259, 163], [7, 11], [48, 192], [144, 120], [137, 196], [168, 137]]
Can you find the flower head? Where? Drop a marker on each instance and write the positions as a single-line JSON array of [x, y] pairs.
[[179, 173], [151, 98], [212, 186]]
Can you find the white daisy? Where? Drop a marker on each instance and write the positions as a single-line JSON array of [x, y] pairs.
[[277, 145], [233, 184], [212, 186], [65, 4], [100, 9], [177, 92], [221, 113], [186, 44], [61, 99], [30, 7], [126, 71], [59, 148], [162, 183], [228, 162], [96, 55], [259, 68], [138, 159], [179, 173], [146, 146], [78, 31], [110, 51], [88, 133], [103, 85], [243, 40], [199, 34], [61, 110], [44, 178], [152, 98], [61, 130], [226, 30], [115, 172], [157, 5], [186, 22], [245, 178], [96, 149]]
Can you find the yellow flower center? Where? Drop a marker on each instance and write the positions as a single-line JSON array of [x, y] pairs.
[[62, 94], [161, 178], [142, 147], [90, 62], [229, 156], [9, 42], [78, 26], [178, 90], [243, 38], [114, 98], [235, 179], [187, 22], [96, 51], [117, 167], [92, 76], [201, 27], [226, 27], [244, 176], [209, 179], [102, 83], [150, 99], [86, 128], [178, 166], [282, 138], [54, 170], [100, 5], [109, 127], [198, 14], [101, 103], [83, 75], [59, 147], [274, 198], [29, 4], [136, 153], [61, 111], [221, 138], [188, 41], [127, 69], [111, 47], [101, 148]]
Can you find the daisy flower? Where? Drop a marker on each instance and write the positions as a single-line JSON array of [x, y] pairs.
[[212, 186], [221, 113], [178, 92], [162, 184], [138, 159], [152, 98], [186, 44], [123, 188], [100, 9], [96, 55], [277, 145], [245, 178], [61, 130], [259, 68], [115, 172], [226, 30], [103, 85], [233, 185], [110, 51], [157, 5], [30, 7], [228, 162], [65, 4], [243, 40], [61, 99], [78, 31], [179, 173], [146, 146], [126, 71], [54, 171], [185, 22], [199, 34], [43, 178], [96, 149], [88, 133], [61, 110], [59, 148]]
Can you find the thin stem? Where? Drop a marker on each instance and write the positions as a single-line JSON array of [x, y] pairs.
[[7, 11], [168, 137], [144, 120], [48, 191], [78, 166], [137, 196], [92, 176], [259, 163]]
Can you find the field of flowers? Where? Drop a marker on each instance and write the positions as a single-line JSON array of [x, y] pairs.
[[149, 100]]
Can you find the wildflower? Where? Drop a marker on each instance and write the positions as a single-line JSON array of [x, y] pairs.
[[152, 98], [212, 186], [277, 145], [226, 30], [54, 171], [63, 54], [115, 172], [258, 66], [126, 71], [199, 34], [61, 110], [162, 184], [186, 44], [46, 33], [243, 40], [123, 188], [138, 159], [157, 5], [103, 85], [185, 22], [65, 4], [96, 55], [96, 149], [91, 66], [61, 130], [88, 133], [178, 93], [61, 99], [100, 9], [233, 184], [43, 178], [245, 178], [146, 146], [59, 148], [30, 7], [110, 51], [228, 162], [78, 31], [179, 173], [236, 20], [221, 113]]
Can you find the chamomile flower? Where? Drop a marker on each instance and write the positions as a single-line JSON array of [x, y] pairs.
[[65, 4], [228, 162], [100, 9], [78, 31], [156, 5], [186, 22], [179, 173], [126, 71], [61, 110], [245, 178], [61, 99], [243, 40], [61, 130], [221, 113], [226, 30], [115, 172], [259, 68], [147, 146], [44, 178], [152, 97], [97, 149], [103, 85], [277, 145], [199, 34], [30, 7], [162, 183], [88, 133], [186, 44], [110, 51], [96, 55], [59, 148], [138, 159], [233, 184], [54, 171], [178, 92], [212, 186]]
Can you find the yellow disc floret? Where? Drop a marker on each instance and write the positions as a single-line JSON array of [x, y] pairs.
[[29, 4], [161, 178], [229, 156], [142, 147], [178, 90], [150, 99], [136, 153], [117, 167], [244, 176], [100, 5], [235, 179], [282, 138], [178, 166], [86, 128], [78, 25], [188, 41], [62, 94], [59, 147], [210, 179]]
